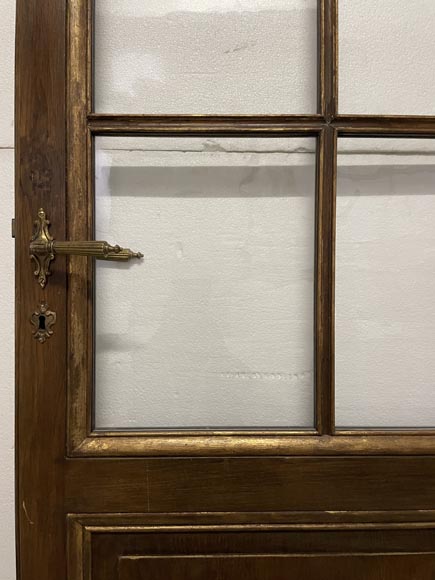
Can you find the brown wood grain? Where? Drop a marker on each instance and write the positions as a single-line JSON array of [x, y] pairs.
[[194, 444], [349, 125], [40, 369], [250, 551], [325, 280], [284, 494], [282, 567], [250, 484], [80, 223], [328, 59]]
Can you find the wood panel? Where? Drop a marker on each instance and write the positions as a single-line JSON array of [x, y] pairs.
[[353, 125], [110, 550], [250, 484], [325, 260], [40, 368], [319, 504], [283, 567]]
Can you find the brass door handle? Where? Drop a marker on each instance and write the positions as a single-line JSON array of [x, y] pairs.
[[43, 249]]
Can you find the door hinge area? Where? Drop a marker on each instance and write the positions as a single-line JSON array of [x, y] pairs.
[[13, 227]]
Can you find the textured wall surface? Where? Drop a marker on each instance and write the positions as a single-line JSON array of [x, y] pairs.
[[206, 56], [386, 53], [385, 283], [7, 539], [220, 333]]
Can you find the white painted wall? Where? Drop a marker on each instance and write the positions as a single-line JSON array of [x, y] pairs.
[[220, 331], [385, 284], [7, 516], [386, 54], [223, 300], [206, 56]]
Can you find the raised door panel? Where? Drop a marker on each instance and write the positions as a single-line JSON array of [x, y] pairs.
[[115, 549], [379, 566]]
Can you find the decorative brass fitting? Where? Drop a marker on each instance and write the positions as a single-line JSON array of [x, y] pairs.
[[43, 249]]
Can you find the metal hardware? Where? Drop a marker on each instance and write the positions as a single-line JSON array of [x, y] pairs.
[[13, 227], [43, 249], [43, 319]]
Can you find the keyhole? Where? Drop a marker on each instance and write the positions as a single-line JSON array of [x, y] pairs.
[[41, 322]]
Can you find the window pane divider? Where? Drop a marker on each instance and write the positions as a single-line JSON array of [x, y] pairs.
[[326, 126], [350, 125], [324, 293]]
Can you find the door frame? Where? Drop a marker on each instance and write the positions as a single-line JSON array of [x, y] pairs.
[[326, 126], [57, 448]]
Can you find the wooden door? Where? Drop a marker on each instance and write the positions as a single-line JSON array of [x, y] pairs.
[[275, 501]]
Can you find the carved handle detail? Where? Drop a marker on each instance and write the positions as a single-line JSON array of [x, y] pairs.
[[43, 249]]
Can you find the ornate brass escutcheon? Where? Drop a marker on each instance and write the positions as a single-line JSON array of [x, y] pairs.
[[43, 320], [43, 249]]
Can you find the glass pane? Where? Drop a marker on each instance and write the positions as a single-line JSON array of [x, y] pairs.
[[214, 328], [385, 283], [387, 50], [206, 56]]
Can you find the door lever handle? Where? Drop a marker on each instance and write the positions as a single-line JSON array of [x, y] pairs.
[[43, 249]]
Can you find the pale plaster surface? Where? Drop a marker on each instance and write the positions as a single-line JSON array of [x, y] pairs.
[[219, 332], [7, 35], [220, 329], [7, 539], [206, 56], [385, 284], [386, 57], [7, 515]]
